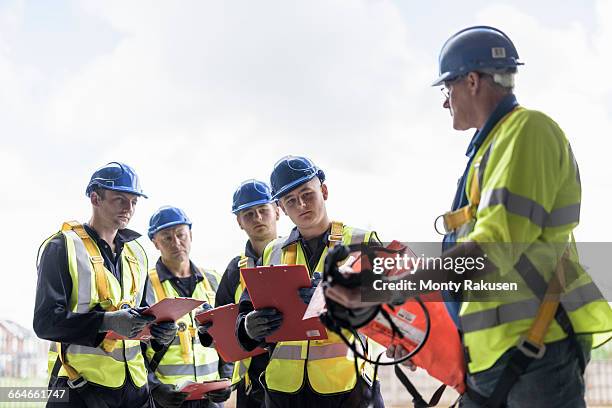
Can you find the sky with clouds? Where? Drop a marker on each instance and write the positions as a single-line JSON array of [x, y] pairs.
[[200, 95]]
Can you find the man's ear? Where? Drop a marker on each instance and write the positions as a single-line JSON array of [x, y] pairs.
[[282, 208], [94, 199], [239, 223], [324, 191], [155, 243], [277, 212], [474, 82]]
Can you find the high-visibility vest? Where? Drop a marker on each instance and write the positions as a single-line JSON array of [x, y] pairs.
[[524, 187], [241, 367], [186, 359], [327, 363], [93, 285]]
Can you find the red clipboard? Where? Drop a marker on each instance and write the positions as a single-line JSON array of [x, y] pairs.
[[223, 332], [277, 287], [167, 309], [198, 391]]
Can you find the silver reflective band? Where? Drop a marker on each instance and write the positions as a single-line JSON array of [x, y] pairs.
[[277, 251], [327, 351], [283, 352], [525, 207], [84, 272], [527, 309], [212, 279], [117, 354], [358, 236], [184, 369]]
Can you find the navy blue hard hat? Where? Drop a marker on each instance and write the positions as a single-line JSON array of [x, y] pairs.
[[473, 49], [291, 172], [167, 217], [249, 194], [117, 177]]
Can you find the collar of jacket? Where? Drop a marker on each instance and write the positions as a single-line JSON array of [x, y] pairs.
[[164, 273], [249, 252], [504, 106], [123, 235], [295, 236]]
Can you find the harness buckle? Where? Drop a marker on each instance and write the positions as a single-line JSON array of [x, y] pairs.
[[531, 349], [96, 259], [77, 383], [443, 225]]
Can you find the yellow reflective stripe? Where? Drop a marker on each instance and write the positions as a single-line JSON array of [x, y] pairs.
[[327, 351], [527, 309], [187, 369]]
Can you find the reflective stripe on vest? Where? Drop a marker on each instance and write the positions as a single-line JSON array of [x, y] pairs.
[[186, 359], [97, 366], [527, 309], [528, 208], [184, 370], [325, 362]]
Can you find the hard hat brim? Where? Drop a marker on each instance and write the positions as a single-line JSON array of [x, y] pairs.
[[151, 234], [444, 77], [293, 185], [252, 204], [122, 190]]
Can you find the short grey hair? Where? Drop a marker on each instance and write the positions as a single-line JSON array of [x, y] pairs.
[[502, 78]]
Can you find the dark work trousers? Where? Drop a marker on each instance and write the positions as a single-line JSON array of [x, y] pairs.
[[127, 396], [360, 397]]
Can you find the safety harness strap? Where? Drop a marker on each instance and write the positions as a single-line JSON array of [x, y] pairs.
[[96, 260], [457, 218], [417, 398], [160, 293], [531, 346]]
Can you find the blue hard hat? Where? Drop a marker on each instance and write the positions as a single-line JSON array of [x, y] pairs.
[[291, 172], [117, 177], [474, 49], [249, 194], [167, 217]]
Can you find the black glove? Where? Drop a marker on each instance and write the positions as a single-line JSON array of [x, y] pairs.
[[203, 328], [335, 255], [125, 322], [219, 395], [306, 293], [164, 332], [167, 397], [261, 323]]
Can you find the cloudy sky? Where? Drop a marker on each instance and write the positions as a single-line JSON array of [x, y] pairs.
[[200, 95]]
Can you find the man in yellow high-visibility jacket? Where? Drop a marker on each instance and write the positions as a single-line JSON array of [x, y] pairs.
[[256, 214], [517, 205], [91, 280], [175, 275], [315, 373]]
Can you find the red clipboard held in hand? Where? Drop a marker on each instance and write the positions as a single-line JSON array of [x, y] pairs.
[[277, 287], [223, 331], [198, 391], [167, 309]]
